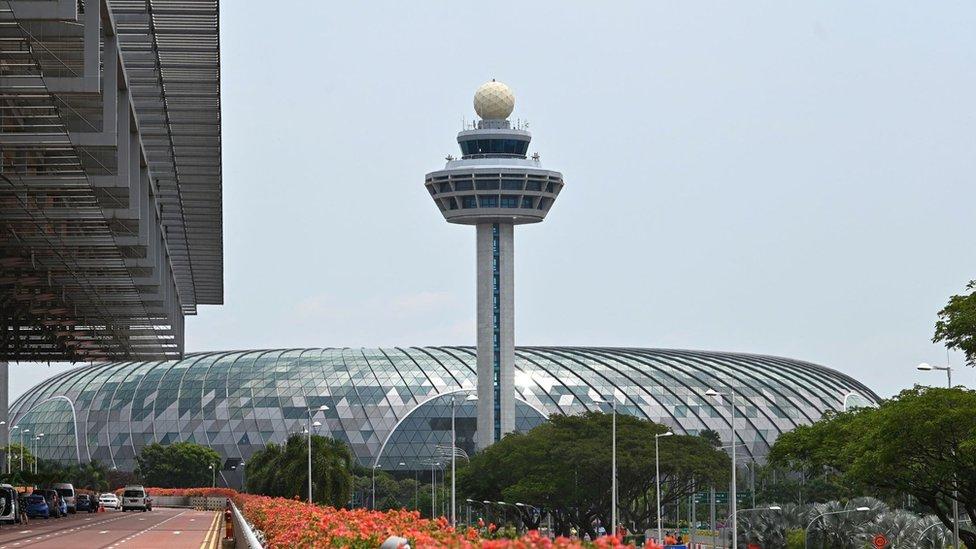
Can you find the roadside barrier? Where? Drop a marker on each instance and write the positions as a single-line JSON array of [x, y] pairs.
[[247, 537]]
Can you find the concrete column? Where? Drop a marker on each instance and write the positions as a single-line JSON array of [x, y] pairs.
[[4, 412], [507, 332], [487, 271]]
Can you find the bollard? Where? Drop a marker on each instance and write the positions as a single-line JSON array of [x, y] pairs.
[[228, 523]]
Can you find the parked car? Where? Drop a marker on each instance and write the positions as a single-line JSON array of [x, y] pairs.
[[9, 505], [37, 506], [134, 497], [86, 503], [110, 501], [51, 497], [67, 493]]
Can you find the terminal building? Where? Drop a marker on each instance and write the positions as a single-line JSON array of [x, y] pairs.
[[110, 179], [393, 405]]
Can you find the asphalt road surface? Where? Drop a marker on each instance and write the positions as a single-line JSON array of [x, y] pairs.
[[161, 527]]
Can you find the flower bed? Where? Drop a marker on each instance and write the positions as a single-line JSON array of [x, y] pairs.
[[290, 523]]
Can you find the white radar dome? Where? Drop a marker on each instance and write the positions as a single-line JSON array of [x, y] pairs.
[[494, 101]]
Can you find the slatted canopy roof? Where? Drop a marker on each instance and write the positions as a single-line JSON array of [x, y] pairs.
[[110, 184]]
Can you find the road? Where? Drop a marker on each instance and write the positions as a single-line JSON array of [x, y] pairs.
[[161, 527]]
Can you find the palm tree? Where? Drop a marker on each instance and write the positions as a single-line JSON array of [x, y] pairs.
[[282, 470]]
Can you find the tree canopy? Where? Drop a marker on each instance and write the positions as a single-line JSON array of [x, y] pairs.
[[956, 326], [178, 465], [282, 470], [563, 467], [922, 443]]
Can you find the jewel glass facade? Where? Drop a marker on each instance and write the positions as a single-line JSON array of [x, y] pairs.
[[393, 405]]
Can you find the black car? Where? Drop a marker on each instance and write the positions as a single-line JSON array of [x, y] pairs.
[[86, 502]]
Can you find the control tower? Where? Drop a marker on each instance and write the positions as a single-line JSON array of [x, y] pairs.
[[494, 187]]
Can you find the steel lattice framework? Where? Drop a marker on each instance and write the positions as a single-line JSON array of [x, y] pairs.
[[393, 405], [110, 183]]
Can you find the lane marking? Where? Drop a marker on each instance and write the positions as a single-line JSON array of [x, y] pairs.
[[210, 541]]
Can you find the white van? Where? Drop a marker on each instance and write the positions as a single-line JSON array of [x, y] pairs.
[[134, 497], [67, 493]]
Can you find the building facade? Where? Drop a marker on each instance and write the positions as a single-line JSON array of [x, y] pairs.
[[393, 405]]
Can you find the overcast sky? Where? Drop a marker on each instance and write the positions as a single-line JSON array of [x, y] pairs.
[[787, 178]]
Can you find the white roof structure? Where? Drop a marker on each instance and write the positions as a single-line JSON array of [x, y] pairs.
[[111, 183]]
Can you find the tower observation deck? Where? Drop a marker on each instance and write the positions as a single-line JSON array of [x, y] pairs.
[[494, 186]]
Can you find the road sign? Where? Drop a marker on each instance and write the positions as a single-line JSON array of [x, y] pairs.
[[703, 497], [743, 496], [880, 541], [721, 497]]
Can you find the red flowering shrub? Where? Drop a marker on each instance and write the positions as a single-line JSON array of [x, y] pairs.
[[189, 492], [289, 523]]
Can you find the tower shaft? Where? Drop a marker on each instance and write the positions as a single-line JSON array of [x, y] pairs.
[[496, 331]]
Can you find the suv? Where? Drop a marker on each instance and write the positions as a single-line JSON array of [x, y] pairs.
[[67, 493], [9, 504], [134, 497]]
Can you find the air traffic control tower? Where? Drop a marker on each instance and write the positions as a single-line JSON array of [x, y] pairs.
[[494, 187]]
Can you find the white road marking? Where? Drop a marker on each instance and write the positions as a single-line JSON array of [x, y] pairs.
[[103, 532]]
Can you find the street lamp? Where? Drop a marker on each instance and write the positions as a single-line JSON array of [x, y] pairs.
[[7, 447], [310, 411], [926, 367], [213, 473], [243, 476], [22, 433], [806, 532], [657, 480], [16, 428], [37, 442], [373, 498], [734, 502], [469, 398], [613, 462], [502, 504]]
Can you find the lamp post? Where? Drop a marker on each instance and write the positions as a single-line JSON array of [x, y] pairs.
[[7, 447], [806, 532], [37, 443], [657, 480], [17, 428], [502, 504], [213, 473], [734, 498], [469, 398], [613, 462], [243, 476], [22, 433], [321, 408], [372, 503], [926, 367]]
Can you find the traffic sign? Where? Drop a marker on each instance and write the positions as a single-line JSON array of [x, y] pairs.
[[721, 497], [880, 541], [703, 497]]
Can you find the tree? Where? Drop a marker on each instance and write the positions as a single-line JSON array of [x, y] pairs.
[[922, 443], [178, 465], [957, 324], [282, 470], [712, 436], [563, 467]]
